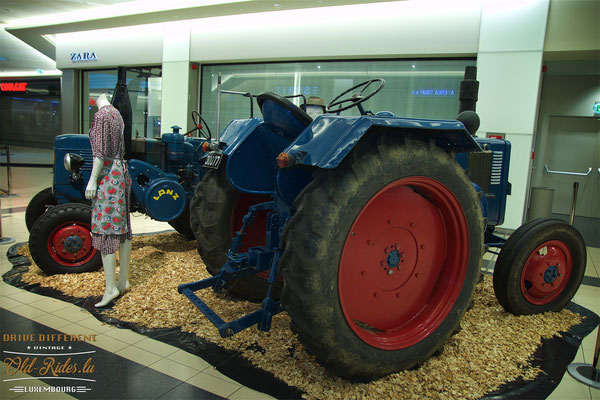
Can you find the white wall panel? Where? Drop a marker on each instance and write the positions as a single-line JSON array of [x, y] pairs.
[[513, 25], [175, 81], [142, 45], [396, 29], [520, 160], [508, 90]]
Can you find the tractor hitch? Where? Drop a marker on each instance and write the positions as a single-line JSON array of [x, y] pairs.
[[255, 260]]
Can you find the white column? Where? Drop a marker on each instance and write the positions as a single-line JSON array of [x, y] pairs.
[[175, 77], [509, 60]]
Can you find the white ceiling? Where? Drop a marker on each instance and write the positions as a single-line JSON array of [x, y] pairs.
[[25, 48], [20, 56]]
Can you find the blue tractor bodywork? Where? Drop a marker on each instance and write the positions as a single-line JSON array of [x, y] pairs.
[[164, 172], [250, 149]]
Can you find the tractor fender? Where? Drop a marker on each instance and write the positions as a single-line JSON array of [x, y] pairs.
[[252, 149], [327, 141]]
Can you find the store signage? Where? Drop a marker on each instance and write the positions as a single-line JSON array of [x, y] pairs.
[[13, 86], [597, 109], [85, 56]]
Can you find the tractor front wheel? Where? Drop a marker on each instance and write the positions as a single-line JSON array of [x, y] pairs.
[[540, 267], [382, 257], [60, 241], [38, 205], [216, 213]]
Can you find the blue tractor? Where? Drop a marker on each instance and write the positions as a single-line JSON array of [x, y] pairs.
[[164, 173], [368, 230]]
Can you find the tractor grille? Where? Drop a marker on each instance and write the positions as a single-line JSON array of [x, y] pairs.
[[479, 169], [496, 176]]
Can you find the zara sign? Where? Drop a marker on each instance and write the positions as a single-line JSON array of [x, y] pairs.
[[84, 56]]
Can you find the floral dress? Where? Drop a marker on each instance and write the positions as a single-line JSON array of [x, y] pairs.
[[111, 224]]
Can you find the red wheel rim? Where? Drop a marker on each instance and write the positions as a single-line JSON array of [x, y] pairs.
[[546, 272], [70, 244], [416, 228], [256, 231]]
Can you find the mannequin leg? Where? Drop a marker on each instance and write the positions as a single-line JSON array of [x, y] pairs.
[[124, 256], [110, 292]]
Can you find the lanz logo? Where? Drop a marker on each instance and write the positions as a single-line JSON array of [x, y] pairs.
[[168, 191], [85, 56]]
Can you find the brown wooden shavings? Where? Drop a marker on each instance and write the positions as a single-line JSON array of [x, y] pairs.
[[493, 347]]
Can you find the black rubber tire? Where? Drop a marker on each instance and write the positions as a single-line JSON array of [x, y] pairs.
[[513, 256], [182, 224], [41, 234], [211, 211], [315, 237], [38, 205]]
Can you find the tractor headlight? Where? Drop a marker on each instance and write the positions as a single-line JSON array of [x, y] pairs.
[[73, 162]]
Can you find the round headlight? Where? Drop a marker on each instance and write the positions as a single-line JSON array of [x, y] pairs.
[[67, 161]]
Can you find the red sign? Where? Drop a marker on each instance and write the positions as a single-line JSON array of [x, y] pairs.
[[13, 86]]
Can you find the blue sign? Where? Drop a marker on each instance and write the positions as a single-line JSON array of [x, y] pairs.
[[433, 92]]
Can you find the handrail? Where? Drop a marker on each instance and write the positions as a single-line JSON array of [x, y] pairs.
[[568, 173]]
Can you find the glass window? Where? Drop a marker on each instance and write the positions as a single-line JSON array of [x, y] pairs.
[[30, 112], [419, 89], [144, 87]]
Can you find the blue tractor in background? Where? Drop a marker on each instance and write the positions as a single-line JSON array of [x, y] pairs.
[[368, 230], [164, 173]]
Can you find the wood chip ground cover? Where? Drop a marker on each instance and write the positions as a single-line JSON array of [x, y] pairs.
[[493, 347]]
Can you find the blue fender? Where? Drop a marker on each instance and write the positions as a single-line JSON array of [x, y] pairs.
[[251, 151], [327, 141]]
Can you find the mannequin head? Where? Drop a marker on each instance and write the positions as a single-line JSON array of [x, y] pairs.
[[102, 101]]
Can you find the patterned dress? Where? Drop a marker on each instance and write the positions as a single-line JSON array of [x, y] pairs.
[[111, 224]]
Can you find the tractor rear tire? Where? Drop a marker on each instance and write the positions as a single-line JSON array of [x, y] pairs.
[[60, 241], [216, 211], [540, 267], [38, 205], [382, 257], [182, 224]]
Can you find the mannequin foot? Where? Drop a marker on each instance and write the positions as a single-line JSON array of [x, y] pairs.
[[123, 287], [109, 295]]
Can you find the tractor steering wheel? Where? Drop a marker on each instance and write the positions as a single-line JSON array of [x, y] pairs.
[[355, 98], [200, 123]]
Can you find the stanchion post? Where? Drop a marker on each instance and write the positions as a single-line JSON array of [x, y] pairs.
[[588, 373], [3, 240], [573, 202]]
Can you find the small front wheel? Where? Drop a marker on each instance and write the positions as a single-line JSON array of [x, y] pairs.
[[38, 206], [540, 267], [60, 241]]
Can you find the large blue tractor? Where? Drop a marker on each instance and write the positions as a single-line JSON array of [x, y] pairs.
[[164, 173], [372, 229]]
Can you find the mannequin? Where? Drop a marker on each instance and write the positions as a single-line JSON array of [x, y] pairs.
[[109, 190]]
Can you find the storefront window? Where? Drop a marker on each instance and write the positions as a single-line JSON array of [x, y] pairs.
[[144, 86], [419, 89], [30, 113]]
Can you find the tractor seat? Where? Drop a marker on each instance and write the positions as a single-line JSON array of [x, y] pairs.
[[282, 116]]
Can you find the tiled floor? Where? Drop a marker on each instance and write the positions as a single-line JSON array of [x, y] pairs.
[[169, 361]]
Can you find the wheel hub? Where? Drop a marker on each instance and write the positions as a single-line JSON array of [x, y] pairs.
[[73, 244], [551, 274], [393, 259]]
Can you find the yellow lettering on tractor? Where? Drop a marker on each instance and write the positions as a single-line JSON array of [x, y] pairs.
[[171, 192]]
